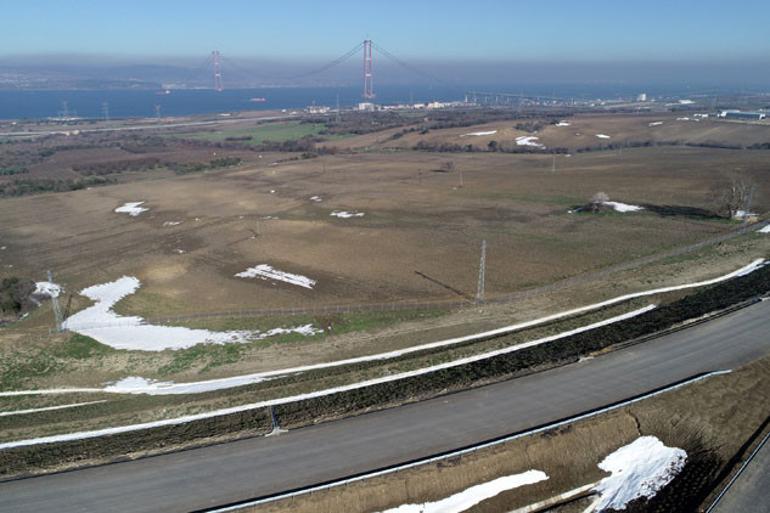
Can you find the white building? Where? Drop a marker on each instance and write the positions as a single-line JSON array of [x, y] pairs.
[[317, 109], [367, 107]]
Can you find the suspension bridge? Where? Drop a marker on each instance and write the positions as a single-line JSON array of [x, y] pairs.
[[217, 64]]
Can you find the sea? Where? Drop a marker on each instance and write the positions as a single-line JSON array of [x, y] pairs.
[[33, 104]]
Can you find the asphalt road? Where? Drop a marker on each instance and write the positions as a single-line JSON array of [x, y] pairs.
[[245, 469], [751, 491]]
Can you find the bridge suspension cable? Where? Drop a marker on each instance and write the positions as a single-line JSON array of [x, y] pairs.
[[430, 76], [339, 60]]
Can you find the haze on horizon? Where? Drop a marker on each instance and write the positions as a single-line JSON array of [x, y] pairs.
[[492, 41]]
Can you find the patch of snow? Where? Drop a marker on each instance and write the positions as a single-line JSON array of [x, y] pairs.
[[765, 229], [3, 248], [479, 134], [272, 191], [742, 214], [133, 208], [132, 384], [172, 223], [656, 123], [529, 140], [139, 385], [47, 289], [603, 136], [317, 199], [686, 102], [465, 500], [267, 272], [343, 214], [562, 123], [167, 388], [639, 469], [622, 207], [683, 119], [48, 408], [179, 251], [101, 323]]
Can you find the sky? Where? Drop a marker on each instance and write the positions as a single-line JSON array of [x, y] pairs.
[[446, 30]]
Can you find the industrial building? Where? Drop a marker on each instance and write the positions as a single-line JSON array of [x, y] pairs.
[[741, 115]]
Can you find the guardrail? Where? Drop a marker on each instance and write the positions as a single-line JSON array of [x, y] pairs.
[[740, 470], [240, 505]]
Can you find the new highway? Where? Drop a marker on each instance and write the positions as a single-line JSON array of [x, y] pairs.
[[749, 490], [211, 476]]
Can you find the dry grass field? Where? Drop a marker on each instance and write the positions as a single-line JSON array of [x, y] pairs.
[[582, 132], [203, 228], [415, 220]]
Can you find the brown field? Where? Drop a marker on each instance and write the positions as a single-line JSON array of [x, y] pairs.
[[582, 132], [418, 219]]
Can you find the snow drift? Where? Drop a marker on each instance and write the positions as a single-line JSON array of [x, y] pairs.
[[639, 469], [465, 500], [101, 323]]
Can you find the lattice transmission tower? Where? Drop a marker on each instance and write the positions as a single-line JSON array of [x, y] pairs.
[[482, 273]]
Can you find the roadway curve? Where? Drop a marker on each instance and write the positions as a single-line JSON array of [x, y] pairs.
[[216, 475]]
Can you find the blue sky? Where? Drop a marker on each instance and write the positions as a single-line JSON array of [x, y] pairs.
[[511, 30]]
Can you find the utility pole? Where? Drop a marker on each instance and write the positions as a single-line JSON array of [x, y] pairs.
[[106, 111], [55, 306], [482, 272]]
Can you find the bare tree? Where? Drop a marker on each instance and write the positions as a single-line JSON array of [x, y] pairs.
[[735, 196], [448, 166], [598, 199]]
